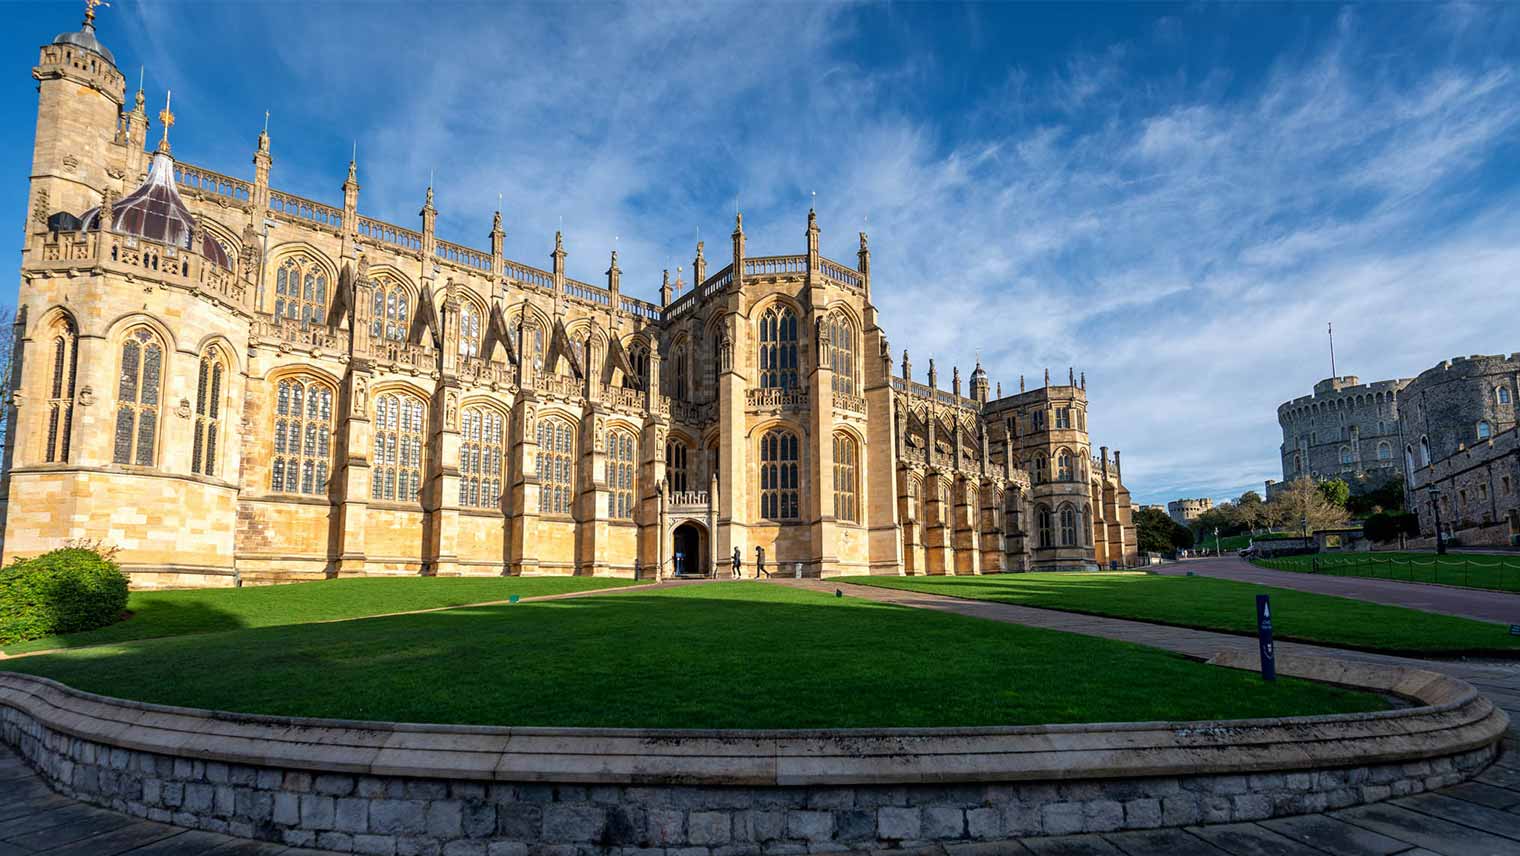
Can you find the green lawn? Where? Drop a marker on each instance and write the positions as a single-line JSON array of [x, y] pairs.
[[176, 613], [1224, 605], [731, 655], [1471, 570]]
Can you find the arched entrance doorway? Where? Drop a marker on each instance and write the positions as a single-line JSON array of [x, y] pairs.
[[689, 551]]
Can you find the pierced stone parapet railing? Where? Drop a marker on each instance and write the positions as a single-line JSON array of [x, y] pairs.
[[176, 265], [688, 412], [841, 274], [942, 396], [302, 335], [623, 398], [462, 255], [765, 265], [528, 275], [558, 385], [210, 184], [385, 233], [851, 403], [403, 354], [634, 306], [587, 292], [473, 370], [688, 499], [776, 399], [304, 209]]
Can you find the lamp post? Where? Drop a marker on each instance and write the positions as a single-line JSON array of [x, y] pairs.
[[1435, 511], [1217, 552]]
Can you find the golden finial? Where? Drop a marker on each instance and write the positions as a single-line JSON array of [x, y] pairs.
[[167, 118], [89, 12]]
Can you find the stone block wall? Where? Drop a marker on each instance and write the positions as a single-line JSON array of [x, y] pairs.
[[397, 816]]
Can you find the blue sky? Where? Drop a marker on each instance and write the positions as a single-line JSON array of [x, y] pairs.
[[1171, 198]]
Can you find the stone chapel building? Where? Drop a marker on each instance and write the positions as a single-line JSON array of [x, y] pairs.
[[228, 402]]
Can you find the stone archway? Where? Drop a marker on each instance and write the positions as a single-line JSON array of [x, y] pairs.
[[689, 550]]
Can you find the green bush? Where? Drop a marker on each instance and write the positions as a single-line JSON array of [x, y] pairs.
[[67, 590]]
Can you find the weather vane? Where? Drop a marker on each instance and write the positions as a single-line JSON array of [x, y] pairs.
[[167, 118], [89, 11]]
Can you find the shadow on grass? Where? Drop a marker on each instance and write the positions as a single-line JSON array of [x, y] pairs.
[[714, 656]]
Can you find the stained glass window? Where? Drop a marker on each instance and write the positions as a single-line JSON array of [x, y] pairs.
[[303, 419], [481, 456], [137, 394], [396, 462]]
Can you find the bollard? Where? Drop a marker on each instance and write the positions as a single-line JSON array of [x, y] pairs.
[[1264, 637]]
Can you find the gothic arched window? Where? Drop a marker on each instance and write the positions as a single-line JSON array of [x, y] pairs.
[[300, 290], [390, 310], [481, 442], [396, 466], [778, 348], [469, 330], [846, 490], [675, 465], [1501, 394], [1424, 451], [1041, 468], [1045, 522], [680, 387], [61, 390], [1384, 452], [580, 345], [1085, 523], [842, 353], [1068, 526], [137, 394], [303, 415], [778, 475], [209, 380], [621, 461], [1484, 430], [1063, 466], [556, 465], [638, 357]]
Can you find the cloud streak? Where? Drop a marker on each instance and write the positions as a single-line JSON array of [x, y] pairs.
[[1181, 234]]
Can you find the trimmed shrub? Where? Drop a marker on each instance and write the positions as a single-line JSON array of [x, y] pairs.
[[67, 590]]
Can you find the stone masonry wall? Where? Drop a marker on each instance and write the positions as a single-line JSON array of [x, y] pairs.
[[396, 816]]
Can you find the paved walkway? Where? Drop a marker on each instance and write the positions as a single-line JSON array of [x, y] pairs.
[[1481, 604], [1476, 818]]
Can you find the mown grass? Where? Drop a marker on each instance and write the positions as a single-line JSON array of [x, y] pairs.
[[1469, 570], [176, 613], [733, 655], [1228, 606]]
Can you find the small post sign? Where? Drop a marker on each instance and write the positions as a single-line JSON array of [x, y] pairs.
[[1264, 636], [1514, 630]]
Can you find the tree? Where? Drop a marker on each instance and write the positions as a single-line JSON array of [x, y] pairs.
[[1182, 537], [1251, 511], [1153, 530], [1302, 503], [1335, 492]]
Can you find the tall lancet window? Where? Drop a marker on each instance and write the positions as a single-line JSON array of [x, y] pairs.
[[778, 348], [300, 290], [137, 398], [303, 418], [469, 330], [390, 311], [842, 353], [209, 381], [396, 465], [65, 341], [480, 457]]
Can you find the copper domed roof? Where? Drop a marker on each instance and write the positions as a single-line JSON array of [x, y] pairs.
[[154, 211], [85, 38]]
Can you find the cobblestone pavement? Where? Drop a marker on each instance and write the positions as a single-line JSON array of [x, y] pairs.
[[1451, 600], [1476, 818]]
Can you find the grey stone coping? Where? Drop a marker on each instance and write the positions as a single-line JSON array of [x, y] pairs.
[[1449, 718]]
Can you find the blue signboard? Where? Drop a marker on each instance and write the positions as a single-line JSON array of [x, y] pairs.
[[1264, 636]]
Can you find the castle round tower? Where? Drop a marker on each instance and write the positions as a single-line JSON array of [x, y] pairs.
[[1458, 404], [1346, 429]]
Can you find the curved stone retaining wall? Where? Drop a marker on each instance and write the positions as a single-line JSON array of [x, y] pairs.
[[408, 789]]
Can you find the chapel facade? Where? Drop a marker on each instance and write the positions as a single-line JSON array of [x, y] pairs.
[[231, 384]]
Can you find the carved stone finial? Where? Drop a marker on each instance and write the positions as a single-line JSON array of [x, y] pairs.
[[738, 221], [863, 245], [559, 242]]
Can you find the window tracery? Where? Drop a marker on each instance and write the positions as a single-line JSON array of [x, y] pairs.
[[556, 468], [303, 415], [779, 497], [61, 390], [481, 455], [846, 490], [676, 475], [620, 473], [208, 412], [397, 462], [390, 310], [137, 398], [300, 290], [778, 348]]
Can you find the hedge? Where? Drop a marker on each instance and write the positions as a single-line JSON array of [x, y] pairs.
[[65, 591]]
